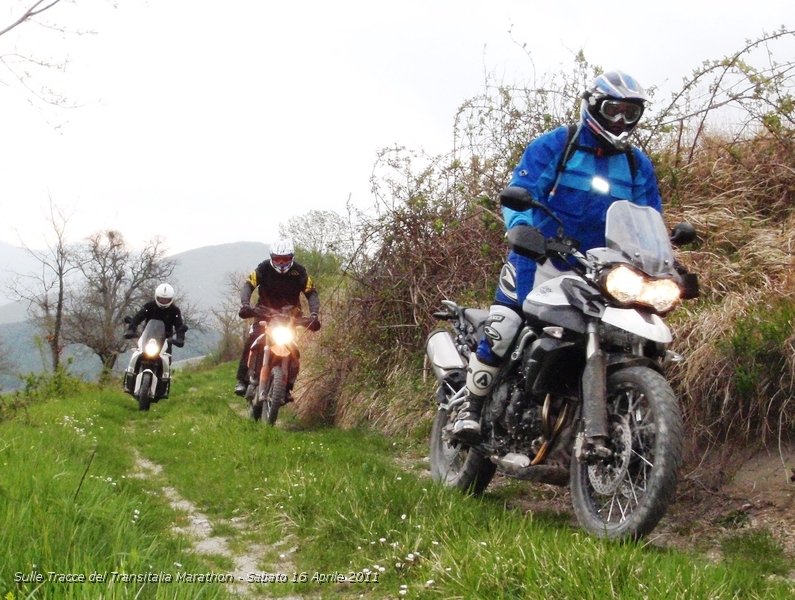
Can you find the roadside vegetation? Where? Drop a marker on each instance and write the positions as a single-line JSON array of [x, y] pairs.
[[322, 501], [723, 145]]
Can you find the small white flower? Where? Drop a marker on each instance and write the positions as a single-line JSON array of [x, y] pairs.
[[429, 583], [402, 517], [178, 565], [382, 540]]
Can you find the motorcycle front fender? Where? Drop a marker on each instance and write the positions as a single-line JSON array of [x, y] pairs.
[[648, 326], [138, 381]]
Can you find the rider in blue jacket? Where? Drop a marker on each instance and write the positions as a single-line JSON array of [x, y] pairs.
[[578, 172]]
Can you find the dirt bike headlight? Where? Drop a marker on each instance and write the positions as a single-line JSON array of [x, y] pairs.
[[628, 286], [152, 348], [282, 335]]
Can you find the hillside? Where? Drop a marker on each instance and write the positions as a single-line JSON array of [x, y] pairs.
[[190, 488], [201, 275]]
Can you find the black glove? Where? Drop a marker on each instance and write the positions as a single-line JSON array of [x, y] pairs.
[[690, 286], [314, 324], [179, 340], [689, 281], [245, 311], [130, 334]]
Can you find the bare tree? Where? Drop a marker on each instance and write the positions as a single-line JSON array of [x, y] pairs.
[[45, 291], [117, 282], [232, 328], [28, 13]]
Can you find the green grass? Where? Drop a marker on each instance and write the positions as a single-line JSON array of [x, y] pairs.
[[318, 504]]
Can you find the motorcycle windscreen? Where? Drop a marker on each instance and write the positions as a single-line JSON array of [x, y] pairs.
[[155, 328], [639, 234]]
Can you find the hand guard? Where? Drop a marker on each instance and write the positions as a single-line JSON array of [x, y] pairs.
[[314, 324], [245, 312], [130, 334], [179, 340]]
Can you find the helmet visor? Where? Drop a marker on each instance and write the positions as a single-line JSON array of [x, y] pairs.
[[282, 261], [163, 300], [615, 110]]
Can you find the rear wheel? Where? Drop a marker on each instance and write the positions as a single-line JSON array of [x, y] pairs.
[[453, 464], [276, 391], [144, 396], [626, 495]]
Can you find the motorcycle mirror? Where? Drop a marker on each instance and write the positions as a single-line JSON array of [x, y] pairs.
[[683, 233], [527, 241], [516, 198]]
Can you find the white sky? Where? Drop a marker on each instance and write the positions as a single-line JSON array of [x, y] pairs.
[[211, 122]]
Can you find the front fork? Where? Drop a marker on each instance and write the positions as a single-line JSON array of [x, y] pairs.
[[593, 444]]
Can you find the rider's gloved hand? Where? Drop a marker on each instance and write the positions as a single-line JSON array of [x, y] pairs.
[[179, 340], [690, 288], [245, 311], [314, 324], [130, 334]]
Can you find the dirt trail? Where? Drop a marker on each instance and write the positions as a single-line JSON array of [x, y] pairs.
[[199, 530]]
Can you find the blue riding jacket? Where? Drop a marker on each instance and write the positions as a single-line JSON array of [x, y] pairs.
[[591, 180]]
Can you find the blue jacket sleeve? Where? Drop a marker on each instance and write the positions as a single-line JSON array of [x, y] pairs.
[[536, 173], [646, 191]]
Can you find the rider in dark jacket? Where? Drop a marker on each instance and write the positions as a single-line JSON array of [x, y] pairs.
[[164, 309], [279, 282]]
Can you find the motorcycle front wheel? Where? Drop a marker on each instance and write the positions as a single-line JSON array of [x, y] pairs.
[[144, 396], [455, 465], [275, 392], [626, 495]]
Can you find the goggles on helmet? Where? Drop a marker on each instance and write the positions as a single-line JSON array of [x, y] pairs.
[[615, 110], [282, 261]]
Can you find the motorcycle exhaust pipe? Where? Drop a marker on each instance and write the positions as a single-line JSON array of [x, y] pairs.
[[442, 353]]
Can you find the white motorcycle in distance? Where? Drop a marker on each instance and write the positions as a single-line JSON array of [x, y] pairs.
[[148, 374], [581, 398]]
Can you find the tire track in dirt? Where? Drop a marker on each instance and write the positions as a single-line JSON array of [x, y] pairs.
[[199, 530]]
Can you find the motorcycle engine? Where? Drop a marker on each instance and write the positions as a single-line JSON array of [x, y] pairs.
[[515, 419]]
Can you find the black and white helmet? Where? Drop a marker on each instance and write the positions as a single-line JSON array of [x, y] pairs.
[[612, 106], [282, 255], [164, 295]]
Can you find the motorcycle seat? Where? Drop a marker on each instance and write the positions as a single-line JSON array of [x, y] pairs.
[[476, 316]]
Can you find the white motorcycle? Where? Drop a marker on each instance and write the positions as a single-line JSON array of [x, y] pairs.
[[581, 397], [148, 374]]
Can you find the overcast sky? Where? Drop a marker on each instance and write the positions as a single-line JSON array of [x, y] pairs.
[[211, 122]]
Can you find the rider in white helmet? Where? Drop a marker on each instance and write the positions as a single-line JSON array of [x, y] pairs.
[[279, 282], [163, 308]]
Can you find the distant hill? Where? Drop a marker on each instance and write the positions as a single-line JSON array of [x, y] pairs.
[[13, 260], [201, 275]]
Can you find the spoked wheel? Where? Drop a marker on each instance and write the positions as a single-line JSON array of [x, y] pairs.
[[627, 494], [453, 464], [145, 392], [275, 392]]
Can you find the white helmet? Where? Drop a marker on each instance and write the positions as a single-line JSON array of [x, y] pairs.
[[164, 295], [282, 253]]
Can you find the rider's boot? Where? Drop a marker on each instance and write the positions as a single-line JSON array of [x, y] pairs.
[[240, 388], [480, 379]]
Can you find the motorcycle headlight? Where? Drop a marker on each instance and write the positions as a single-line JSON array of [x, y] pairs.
[[152, 348], [628, 286], [282, 335]]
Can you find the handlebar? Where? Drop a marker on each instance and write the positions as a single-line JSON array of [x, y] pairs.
[[264, 313]]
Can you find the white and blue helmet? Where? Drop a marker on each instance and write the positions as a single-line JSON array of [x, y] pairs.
[[612, 106]]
